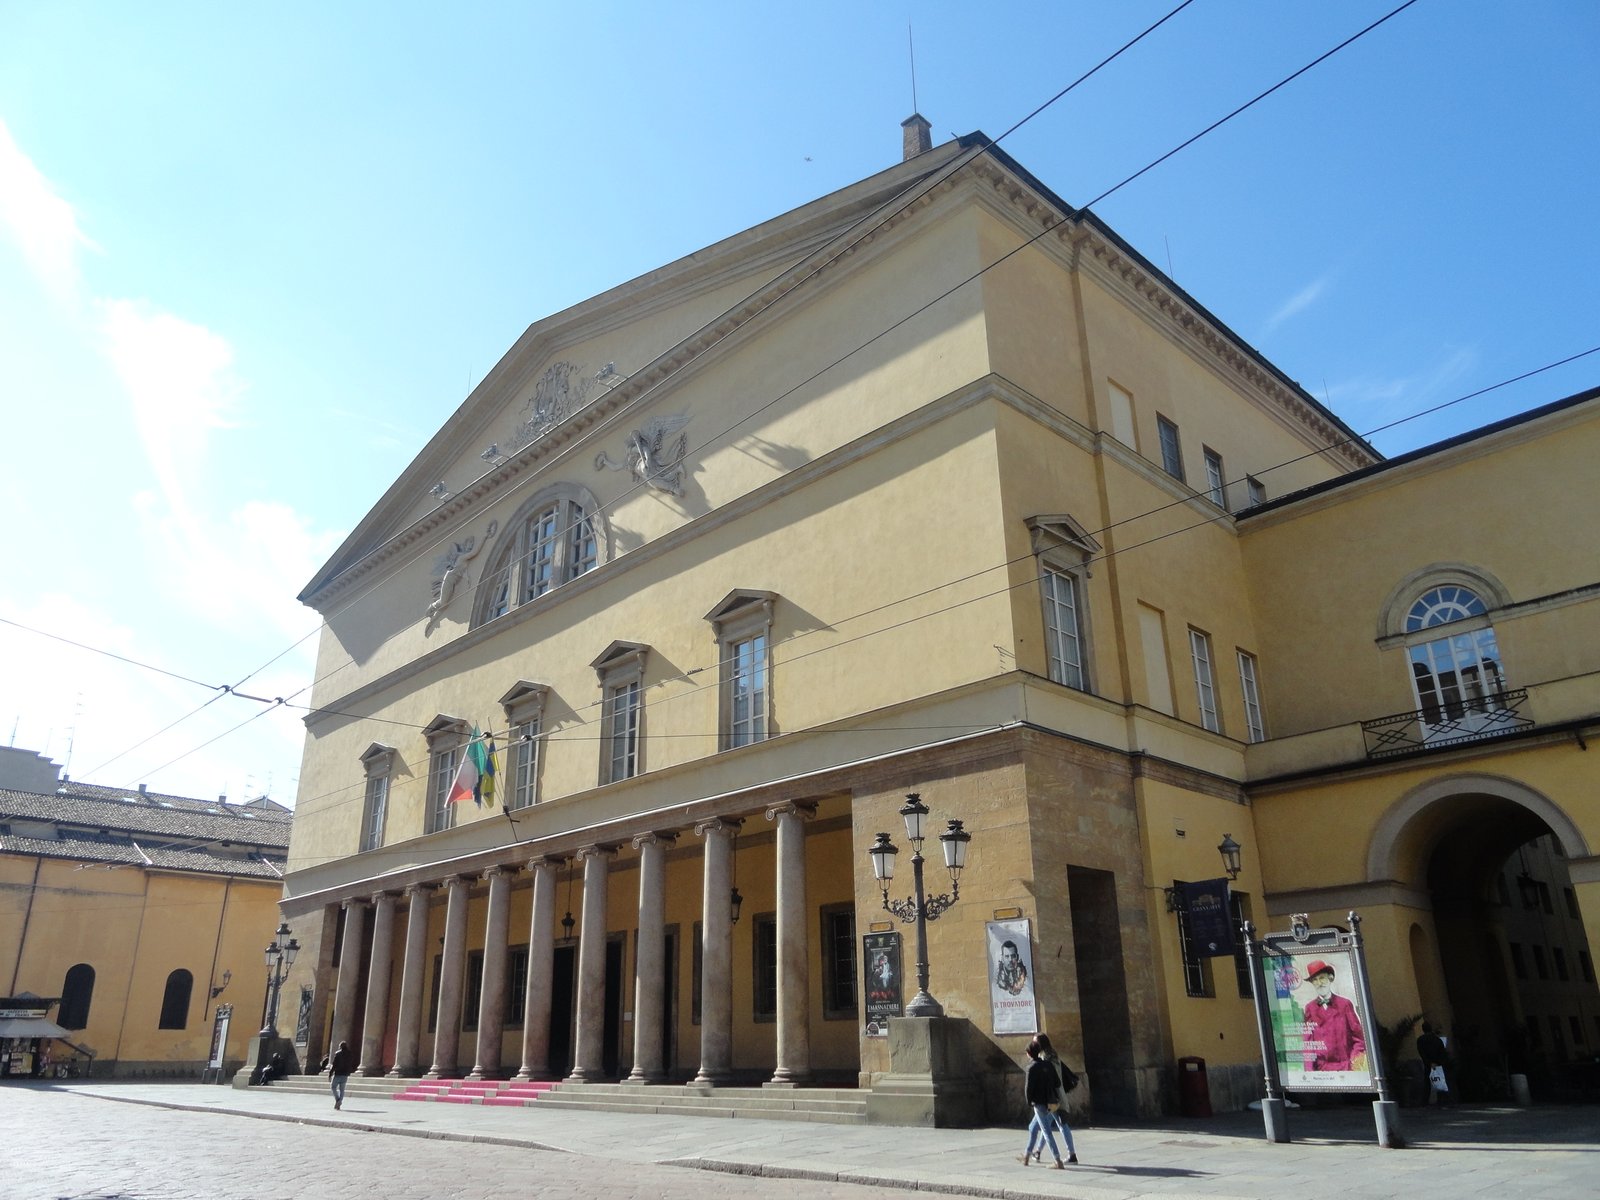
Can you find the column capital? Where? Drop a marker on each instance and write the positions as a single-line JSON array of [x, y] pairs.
[[416, 889], [653, 838], [454, 881], [490, 874], [350, 902], [554, 861], [791, 808], [598, 850], [378, 898], [718, 825]]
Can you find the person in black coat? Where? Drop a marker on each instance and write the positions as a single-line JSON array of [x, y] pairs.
[[1043, 1090], [1433, 1053], [340, 1064]]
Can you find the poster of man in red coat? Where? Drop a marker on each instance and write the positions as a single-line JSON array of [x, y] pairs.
[[1334, 1040], [1317, 1021]]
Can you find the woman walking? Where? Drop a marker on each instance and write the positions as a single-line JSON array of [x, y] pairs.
[[1043, 1088], [1048, 1054]]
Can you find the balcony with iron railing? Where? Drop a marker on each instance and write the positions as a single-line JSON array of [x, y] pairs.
[[1447, 724]]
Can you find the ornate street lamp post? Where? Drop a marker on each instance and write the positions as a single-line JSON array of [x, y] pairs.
[[917, 907], [280, 957]]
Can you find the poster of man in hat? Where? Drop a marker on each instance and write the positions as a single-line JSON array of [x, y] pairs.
[[1322, 1040]]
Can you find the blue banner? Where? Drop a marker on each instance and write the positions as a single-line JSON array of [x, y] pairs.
[[1207, 917]]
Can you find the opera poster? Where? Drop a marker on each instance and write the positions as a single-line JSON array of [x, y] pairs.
[[880, 956], [1011, 1000], [1319, 1026]]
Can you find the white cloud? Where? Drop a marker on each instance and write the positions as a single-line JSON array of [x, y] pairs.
[[1298, 303], [179, 379], [1368, 400], [42, 224]]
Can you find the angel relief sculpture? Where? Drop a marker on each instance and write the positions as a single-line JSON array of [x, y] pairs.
[[653, 456], [450, 568]]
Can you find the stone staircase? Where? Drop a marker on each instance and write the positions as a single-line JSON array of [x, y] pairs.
[[838, 1106]]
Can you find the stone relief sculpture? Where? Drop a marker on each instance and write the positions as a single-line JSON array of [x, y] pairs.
[[450, 569], [560, 392], [652, 457]]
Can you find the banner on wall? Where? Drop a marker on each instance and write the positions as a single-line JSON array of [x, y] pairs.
[[1206, 916], [1011, 1003], [880, 959]]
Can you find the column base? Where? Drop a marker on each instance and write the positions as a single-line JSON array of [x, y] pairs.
[[531, 1075], [404, 1071], [788, 1079], [638, 1076], [712, 1078], [373, 1072], [586, 1075]]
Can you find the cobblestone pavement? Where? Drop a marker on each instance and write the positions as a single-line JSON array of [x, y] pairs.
[[58, 1145]]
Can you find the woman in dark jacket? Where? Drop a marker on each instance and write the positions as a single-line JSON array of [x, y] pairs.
[[1044, 1086]]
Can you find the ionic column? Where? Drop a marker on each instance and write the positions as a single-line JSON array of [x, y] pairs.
[[587, 1065], [492, 985], [648, 999], [377, 1016], [541, 955], [413, 971], [349, 982], [716, 953], [794, 981], [447, 1034]]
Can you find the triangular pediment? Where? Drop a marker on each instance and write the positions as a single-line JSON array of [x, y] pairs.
[[1061, 531], [618, 653], [738, 602]]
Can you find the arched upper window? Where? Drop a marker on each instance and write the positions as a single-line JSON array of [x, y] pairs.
[[77, 989], [556, 536], [1460, 672], [175, 1001]]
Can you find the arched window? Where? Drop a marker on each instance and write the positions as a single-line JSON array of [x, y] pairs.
[[555, 537], [175, 1002], [1459, 673], [77, 989]]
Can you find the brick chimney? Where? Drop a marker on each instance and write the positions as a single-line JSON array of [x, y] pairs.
[[917, 136]]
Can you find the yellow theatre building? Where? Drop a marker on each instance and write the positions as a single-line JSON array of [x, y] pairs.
[[935, 486], [139, 915]]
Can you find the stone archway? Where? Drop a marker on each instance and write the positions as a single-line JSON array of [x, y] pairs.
[[1472, 954]]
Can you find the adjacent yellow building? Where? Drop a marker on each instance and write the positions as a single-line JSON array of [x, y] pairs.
[[142, 914], [931, 486]]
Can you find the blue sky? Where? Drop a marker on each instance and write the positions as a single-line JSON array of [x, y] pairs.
[[250, 259]]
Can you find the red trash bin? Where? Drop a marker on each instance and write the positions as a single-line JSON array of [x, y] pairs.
[[1194, 1092]]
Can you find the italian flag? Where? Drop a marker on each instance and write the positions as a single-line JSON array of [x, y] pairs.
[[475, 776]]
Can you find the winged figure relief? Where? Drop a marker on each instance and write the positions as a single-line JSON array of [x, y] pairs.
[[654, 455], [450, 568]]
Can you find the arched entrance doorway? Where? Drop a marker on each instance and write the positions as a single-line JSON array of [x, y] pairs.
[[1505, 966]]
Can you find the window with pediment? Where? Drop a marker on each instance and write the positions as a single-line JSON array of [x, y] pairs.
[[1064, 550], [743, 623], [376, 762], [524, 708], [447, 740], [621, 672], [556, 536]]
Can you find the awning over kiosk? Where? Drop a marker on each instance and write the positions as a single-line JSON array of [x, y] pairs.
[[30, 1027]]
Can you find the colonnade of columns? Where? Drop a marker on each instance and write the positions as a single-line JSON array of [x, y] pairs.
[[443, 1059]]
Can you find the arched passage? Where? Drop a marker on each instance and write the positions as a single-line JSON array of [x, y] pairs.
[[1505, 965]]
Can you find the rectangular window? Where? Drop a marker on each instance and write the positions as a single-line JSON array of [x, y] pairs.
[[373, 812], [1586, 966], [1533, 1030], [583, 549], [1572, 904], [441, 813], [839, 962], [1216, 478], [1557, 1038], [516, 985], [764, 958], [1544, 899], [1255, 490], [1171, 447], [1122, 427], [1519, 965], [1560, 956], [1239, 907], [1256, 731], [544, 534], [1540, 967], [747, 690], [524, 764], [1196, 970], [474, 994], [1063, 634], [1205, 689], [1577, 1030], [621, 718]]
